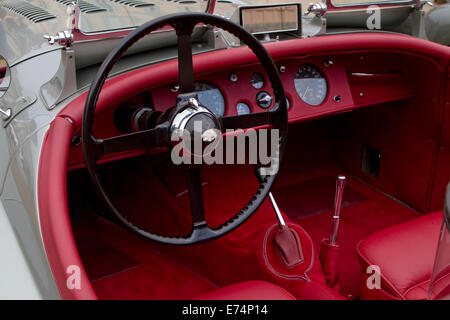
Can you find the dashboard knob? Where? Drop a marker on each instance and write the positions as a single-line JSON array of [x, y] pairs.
[[264, 100]]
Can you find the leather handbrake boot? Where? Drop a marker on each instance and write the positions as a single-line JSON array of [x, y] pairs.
[[289, 246]]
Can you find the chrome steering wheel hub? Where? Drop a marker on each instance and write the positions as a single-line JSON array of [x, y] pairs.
[[194, 121]]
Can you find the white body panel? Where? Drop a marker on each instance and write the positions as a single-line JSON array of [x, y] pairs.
[[16, 278]]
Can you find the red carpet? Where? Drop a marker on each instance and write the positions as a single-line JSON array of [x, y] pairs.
[[306, 197], [127, 267], [312, 197]]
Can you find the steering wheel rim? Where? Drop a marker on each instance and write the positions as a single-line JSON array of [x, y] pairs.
[[94, 148]]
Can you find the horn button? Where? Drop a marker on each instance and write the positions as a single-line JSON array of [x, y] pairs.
[[194, 125]]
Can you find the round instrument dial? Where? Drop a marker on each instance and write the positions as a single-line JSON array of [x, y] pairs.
[[210, 97], [310, 84], [257, 80], [242, 108]]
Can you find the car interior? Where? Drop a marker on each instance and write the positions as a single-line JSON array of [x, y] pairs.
[[374, 112]]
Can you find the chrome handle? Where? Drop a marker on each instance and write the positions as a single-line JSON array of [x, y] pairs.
[[277, 210], [6, 114], [340, 185]]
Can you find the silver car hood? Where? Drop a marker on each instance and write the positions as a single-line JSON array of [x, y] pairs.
[[24, 23]]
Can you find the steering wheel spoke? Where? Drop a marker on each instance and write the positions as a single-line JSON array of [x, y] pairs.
[[185, 64], [195, 191], [247, 120], [146, 139]]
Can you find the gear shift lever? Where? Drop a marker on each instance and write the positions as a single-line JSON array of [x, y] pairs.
[[340, 185], [329, 251]]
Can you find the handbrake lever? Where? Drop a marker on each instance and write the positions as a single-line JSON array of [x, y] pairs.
[[286, 239], [277, 211]]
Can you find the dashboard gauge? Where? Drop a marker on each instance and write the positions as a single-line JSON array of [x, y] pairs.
[[210, 97], [242, 108], [310, 84], [257, 80]]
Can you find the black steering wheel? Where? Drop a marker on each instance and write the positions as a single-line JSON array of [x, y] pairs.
[[187, 102]]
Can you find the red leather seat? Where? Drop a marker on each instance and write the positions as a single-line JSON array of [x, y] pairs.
[[249, 290], [405, 254], [260, 290]]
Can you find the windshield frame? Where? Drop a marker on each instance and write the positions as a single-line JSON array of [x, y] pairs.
[[371, 3], [80, 34]]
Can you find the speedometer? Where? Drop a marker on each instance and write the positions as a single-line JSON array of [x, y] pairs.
[[210, 97], [310, 84]]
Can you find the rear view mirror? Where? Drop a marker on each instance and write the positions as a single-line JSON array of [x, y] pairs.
[[266, 19], [5, 76]]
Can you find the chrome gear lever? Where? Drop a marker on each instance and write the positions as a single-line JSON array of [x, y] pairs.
[[329, 250], [340, 185]]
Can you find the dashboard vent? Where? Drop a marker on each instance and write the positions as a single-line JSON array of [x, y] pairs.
[[85, 7], [133, 3], [29, 11]]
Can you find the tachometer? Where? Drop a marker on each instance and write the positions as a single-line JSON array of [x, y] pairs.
[[310, 84], [210, 97]]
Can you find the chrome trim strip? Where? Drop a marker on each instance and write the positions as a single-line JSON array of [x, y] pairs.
[[409, 2]]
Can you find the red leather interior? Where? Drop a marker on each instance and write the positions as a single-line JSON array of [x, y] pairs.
[[250, 290], [258, 290], [405, 254], [133, 83], [54, 213], [52, 186], [407, 111], [442, 170], [329, 258]]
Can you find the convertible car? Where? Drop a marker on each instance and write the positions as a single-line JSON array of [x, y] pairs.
[[188, 149]]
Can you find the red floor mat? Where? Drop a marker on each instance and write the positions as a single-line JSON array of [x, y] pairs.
[[357, 222], [127, 267], [102, 260]]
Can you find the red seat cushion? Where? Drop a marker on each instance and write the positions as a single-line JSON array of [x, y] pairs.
[[249, 290], [405, 254]]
